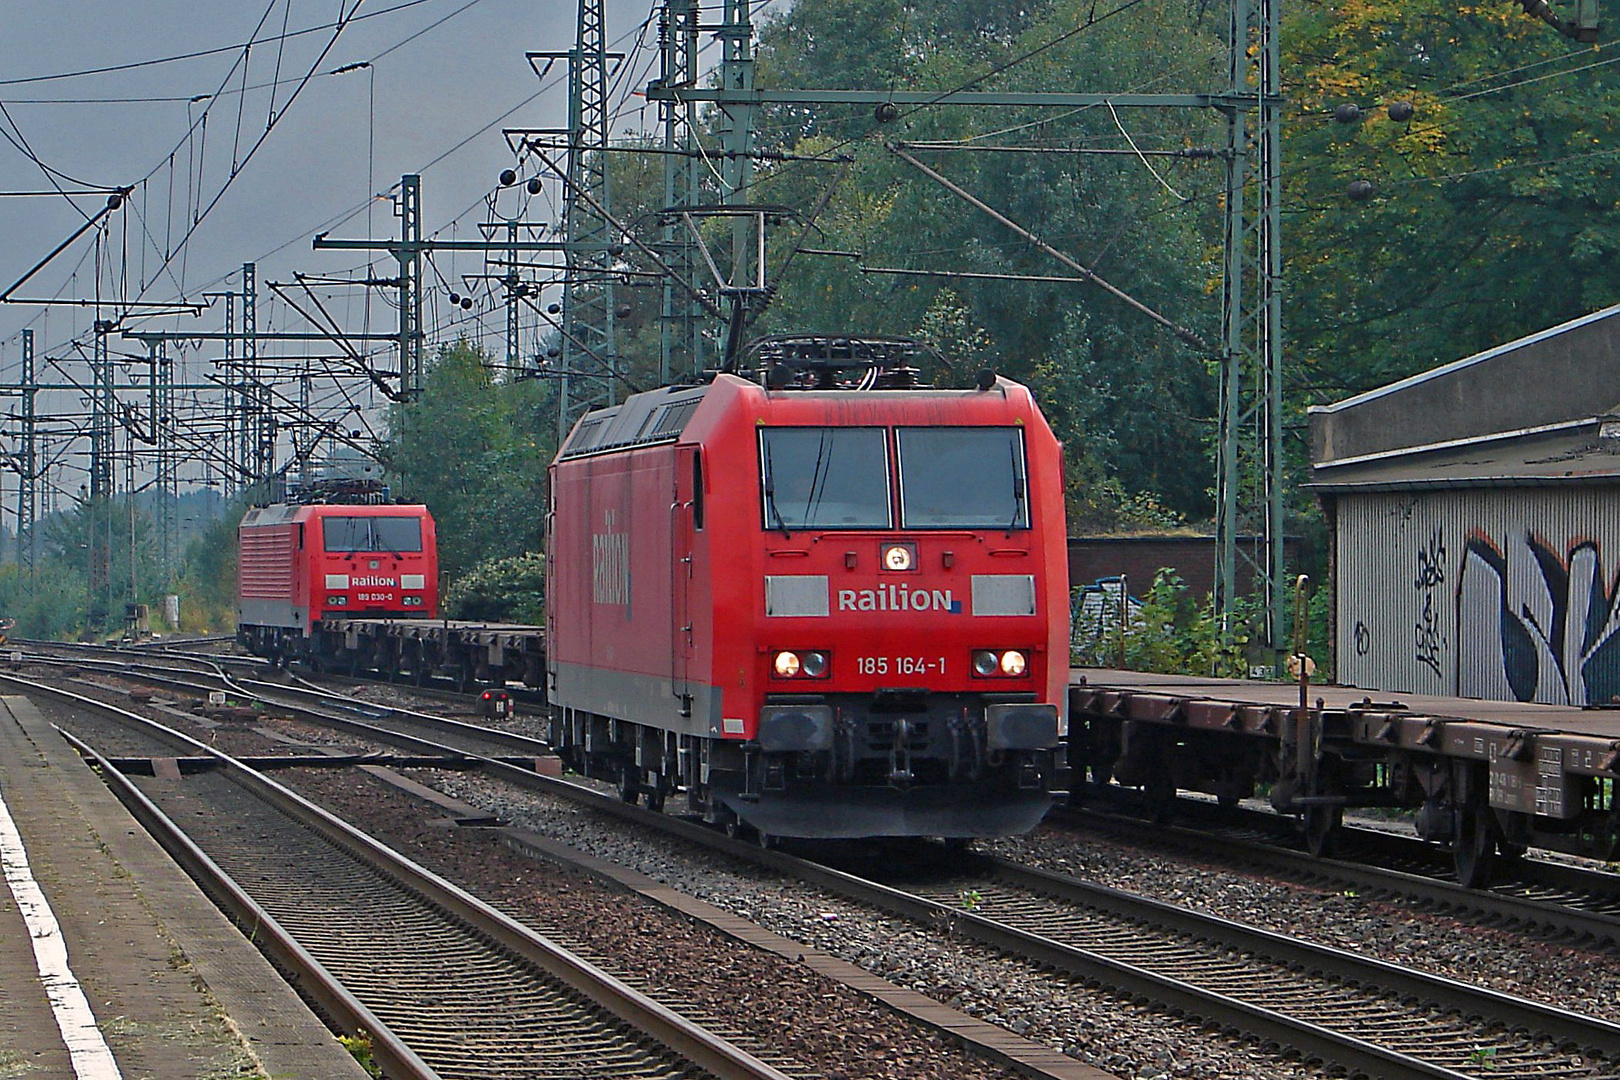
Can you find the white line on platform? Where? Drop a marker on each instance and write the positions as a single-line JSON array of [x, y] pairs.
[[92, 1060]]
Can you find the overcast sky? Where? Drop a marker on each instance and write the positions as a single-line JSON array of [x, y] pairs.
[[440, 70]]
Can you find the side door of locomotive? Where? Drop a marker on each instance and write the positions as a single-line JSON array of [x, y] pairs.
[[686, 514]]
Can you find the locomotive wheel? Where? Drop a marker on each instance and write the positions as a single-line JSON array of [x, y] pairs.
[[1471, 851], [630, 784], [1322, 829]]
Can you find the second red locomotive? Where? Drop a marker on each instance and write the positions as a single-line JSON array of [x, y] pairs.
[[829, 603], [298, 565]]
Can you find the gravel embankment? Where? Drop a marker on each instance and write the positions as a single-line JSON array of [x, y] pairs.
[[1125, 1039]]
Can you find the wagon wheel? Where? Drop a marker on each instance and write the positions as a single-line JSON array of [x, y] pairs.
[[1322, 829], [630, 783], [1160, 792], [1476, 841], [656, 792]]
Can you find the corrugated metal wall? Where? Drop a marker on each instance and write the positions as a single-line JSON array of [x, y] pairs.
[[1506, 593]]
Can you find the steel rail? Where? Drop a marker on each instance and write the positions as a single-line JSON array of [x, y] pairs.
[[1591, 1034], [347, 724], [1584, 887], [1504, 900], [1308, 1038], [701, 1048], [310, 976]]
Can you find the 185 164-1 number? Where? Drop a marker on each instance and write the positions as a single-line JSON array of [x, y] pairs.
[[900, 665]]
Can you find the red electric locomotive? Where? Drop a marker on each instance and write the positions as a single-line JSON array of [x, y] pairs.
[[297, 565], [828, 603]]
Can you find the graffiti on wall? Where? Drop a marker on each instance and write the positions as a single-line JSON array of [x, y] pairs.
[[1547, 612], [1428, 638], [1094, 619]]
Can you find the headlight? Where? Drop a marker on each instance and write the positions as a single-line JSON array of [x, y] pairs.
[[1000, 663], [899, 556], [337, 601], [800, 665]]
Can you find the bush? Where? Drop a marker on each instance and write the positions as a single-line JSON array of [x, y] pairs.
[[1173, 634], [510, 589]]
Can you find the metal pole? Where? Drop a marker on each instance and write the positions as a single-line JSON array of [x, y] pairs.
[[680, 332], [28, 473], [410, 286], [587, 285], [1249, 467], [512, 328]]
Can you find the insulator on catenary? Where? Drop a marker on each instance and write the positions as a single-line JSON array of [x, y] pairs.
[[1400, 111], [552, 309], [534, 185], [508, 177], [1347, 113], [455, 298], [466, 303], [1360, 190]]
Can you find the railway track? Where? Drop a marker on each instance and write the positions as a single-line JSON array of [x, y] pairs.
[[355, 920], [1557, 898], [1283, 991], [1362, 1014], [1560, 898]]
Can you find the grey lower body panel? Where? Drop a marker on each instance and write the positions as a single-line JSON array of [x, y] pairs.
[[643, 699]]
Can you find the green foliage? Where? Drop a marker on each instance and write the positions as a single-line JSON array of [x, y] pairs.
[[509, 589], [1173, 633], [49, 604], [475, 451], [1130, 402], [1500, 184], [359, 1047], [207, 583]]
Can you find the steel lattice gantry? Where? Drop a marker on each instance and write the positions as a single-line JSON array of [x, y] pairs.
[[1249, 481], [590, 359], [681, 329]]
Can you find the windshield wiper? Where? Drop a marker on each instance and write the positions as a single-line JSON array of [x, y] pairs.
[[770, 491], [1018, 488]]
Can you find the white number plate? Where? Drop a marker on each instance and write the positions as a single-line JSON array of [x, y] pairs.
[[900, 665]]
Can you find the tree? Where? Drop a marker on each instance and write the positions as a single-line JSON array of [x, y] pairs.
[[475, 451], [1133, 405], [1493, 209]]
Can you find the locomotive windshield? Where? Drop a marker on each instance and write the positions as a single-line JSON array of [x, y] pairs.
[[387, 534], [824, 478], [962, 477]]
